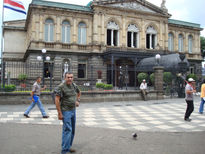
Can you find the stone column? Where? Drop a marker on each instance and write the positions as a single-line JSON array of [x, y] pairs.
[[158, 81]]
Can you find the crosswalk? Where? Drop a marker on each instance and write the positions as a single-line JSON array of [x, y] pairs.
[[165, 117]]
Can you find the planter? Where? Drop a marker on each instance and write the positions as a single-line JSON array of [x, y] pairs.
[[99, 80]]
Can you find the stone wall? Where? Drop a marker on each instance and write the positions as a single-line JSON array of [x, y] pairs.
[[10, 98]]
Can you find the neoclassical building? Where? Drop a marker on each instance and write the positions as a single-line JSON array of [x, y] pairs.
[[104, 36]]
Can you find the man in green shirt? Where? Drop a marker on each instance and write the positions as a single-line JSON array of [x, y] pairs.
[[67, 99]]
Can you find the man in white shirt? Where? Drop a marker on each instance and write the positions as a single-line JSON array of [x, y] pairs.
[[143, 88]]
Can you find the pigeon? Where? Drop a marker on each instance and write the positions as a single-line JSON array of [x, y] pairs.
[[134, 135]]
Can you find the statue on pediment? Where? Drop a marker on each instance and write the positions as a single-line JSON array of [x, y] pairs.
[[163, 7]]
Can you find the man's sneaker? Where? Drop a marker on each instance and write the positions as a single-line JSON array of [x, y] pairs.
[[200, 112], [72, 150], [25, 115], [46, 116], [187, 119]]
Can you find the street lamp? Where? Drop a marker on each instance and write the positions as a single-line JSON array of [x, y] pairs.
[[157, 57], [43, 57]]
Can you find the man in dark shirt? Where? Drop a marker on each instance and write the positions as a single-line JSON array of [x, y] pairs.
[[66, 99]]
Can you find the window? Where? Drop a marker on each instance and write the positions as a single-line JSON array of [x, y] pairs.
[[151, 38], [49, 30], [180, 43], [132, 36], [66, 32], [191, 70], [170, 42], [81, 70], [190, 44], [112, 34], [82, 33]]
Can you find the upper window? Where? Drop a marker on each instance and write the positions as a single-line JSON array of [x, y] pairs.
[[66, 32], [49, 30], [82, 33], [170, 42], [180, 43], [132, 36], [190, 43], [151, 39], [112, 34]]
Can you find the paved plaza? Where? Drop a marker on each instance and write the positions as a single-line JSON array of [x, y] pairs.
[[106, 128], [151, 116]]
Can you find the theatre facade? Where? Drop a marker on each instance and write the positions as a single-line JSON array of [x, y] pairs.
[[99, 40]]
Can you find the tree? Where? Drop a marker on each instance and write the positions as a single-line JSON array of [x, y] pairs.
[[142, 76], [202, 46]]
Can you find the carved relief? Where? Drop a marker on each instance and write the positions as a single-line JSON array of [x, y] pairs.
[[133, 6]]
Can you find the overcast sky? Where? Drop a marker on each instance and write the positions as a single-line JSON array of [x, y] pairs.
[[185, 10]]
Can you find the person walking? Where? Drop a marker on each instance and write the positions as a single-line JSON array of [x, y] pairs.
[[189, 90], [143, 89], [35, 96], [201, 108], [67, 99]]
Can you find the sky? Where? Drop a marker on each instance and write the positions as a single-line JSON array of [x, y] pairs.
[[185, 10]]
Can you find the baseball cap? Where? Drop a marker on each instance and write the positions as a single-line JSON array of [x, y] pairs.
[[191, 80]]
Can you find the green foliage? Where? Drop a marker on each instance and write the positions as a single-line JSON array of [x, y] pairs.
[[108, 86], [104, 86], [22, 77], [142, 76], [99, 85], [152, 78], [9, 88], [202, 42], [192, 76], [167, 77]]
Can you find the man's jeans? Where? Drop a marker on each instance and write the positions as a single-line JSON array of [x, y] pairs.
[[40, 106], [69, 119], [201, 108]]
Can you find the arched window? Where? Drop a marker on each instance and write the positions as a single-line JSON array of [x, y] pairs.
[[82, 33], [170, 42], [49, 30], [180, 43], [66, 32], [132, 36], [151, 39], [190, 43], [112, 34]]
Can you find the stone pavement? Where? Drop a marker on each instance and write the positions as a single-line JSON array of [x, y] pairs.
[[106, 128], [150, 116]]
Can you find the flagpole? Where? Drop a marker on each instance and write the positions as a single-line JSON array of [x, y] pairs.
[[2, 28]]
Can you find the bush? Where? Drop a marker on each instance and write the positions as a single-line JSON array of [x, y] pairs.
[[152, 78], [167, 77], [142, 76], [22, 77], [99, 85], [108, 86], [192, 76], [9, 88], [104, 86]]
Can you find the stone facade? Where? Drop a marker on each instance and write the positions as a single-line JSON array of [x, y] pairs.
[[106, 47]]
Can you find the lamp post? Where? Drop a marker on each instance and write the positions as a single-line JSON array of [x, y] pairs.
[[157, 57], [43, 57]]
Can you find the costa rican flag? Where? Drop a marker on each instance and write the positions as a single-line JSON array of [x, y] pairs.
[[15, 5]]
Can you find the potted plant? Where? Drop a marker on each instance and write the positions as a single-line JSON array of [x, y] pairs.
[[22, 78]]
